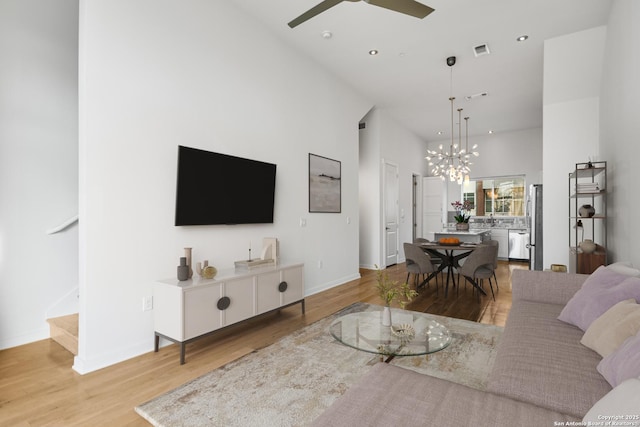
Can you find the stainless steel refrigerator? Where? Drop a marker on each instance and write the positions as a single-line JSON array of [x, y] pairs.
[[534, 213]]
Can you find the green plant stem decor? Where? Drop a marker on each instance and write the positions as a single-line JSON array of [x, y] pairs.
[[390, 290]]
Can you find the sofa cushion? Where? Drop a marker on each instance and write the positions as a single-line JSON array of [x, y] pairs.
[[540, 360], [614, 327], [622, 364], [623, 401], [391, 396], [602, 290]]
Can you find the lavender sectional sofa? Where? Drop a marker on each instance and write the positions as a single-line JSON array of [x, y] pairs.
[[542, 376]]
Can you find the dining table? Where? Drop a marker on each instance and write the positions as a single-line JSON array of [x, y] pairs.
[[450, 256]]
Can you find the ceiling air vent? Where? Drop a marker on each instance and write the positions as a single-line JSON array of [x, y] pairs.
[[362, 125], [482, 49]]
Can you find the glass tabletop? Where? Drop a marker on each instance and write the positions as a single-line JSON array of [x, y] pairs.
[[411, 333]]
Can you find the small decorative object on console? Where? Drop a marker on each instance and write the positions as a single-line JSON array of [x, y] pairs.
[[187, 254], [183, 270], [209, 272]]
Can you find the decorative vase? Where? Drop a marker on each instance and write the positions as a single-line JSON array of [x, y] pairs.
[[209, 272], [187, 255], [386, 316], [586, 211], [200, 266], [462, 226], [183, 270], [587, 246]]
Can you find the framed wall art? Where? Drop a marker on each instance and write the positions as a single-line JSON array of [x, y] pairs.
[[325, 177]]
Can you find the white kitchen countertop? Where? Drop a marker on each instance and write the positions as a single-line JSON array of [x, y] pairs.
[[472, 232]]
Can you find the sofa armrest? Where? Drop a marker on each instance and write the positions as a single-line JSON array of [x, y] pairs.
[[545, 286]]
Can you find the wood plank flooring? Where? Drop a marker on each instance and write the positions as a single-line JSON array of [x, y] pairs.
[[39, 388]]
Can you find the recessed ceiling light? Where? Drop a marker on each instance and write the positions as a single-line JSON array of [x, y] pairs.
[[327, 34], [440, 132], [522, 38], [490, 132], [373, 52]]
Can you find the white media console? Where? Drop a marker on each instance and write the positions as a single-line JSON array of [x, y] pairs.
[[188, 310]]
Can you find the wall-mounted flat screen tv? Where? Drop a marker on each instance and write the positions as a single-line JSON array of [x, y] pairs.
[[216, 188]]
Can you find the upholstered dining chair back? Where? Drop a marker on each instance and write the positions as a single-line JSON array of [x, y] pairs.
[[480, 264], [418, 262]]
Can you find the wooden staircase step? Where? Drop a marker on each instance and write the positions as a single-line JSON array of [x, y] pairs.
[[64, 331]]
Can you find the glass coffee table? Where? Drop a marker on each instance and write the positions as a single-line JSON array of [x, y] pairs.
[[411, 333]]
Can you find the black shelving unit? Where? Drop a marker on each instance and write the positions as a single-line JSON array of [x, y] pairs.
[[588, 186]]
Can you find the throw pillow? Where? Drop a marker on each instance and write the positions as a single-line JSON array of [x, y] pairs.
[[601, 291], [624, 268], [614, 327], [622, 364], [624, 400]]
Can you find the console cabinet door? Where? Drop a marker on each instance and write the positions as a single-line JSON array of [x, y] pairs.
[[240, 293], [201, 314], [294, 278], [267, 293]]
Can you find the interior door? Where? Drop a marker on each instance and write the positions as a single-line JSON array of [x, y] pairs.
[[391, 213]]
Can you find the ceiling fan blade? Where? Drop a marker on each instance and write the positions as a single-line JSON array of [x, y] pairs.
[[316, 10], [408, 7]]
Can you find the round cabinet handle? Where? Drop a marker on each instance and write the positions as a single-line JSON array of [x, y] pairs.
[[283, 286], [224, 303]]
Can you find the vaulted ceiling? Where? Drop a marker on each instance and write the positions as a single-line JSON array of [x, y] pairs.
[[409, 76]]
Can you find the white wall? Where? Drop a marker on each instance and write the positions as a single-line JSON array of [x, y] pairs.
[[620, 127], [38, 164], [572, 74], [370, 192], [406, 150], [157, 74], [385, 140]]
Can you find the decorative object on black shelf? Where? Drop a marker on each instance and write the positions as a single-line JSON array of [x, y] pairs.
[[586, 211], [187, 254], [183, 270], [588, 246]]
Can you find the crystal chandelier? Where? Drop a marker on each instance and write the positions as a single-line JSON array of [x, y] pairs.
[[454, 163]]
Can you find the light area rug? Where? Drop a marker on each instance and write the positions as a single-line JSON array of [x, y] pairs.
[[292, 381]]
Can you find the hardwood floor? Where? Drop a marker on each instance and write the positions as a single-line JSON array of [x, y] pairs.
[[39, 388]]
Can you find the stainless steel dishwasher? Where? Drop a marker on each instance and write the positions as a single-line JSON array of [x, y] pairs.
[[518, 240]]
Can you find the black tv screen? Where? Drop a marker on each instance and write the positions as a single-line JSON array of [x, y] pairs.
[[215, 188]]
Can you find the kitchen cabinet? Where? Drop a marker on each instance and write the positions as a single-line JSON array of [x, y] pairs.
[[587, 216], [502, 236]]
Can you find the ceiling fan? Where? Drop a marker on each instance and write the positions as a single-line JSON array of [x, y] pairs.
[[408, 7]]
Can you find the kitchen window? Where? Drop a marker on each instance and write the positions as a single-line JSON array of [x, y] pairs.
[[497, 196]]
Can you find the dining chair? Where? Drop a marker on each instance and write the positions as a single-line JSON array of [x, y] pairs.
[[495, 263], [480, 265], [418, 262], [434, 260]]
